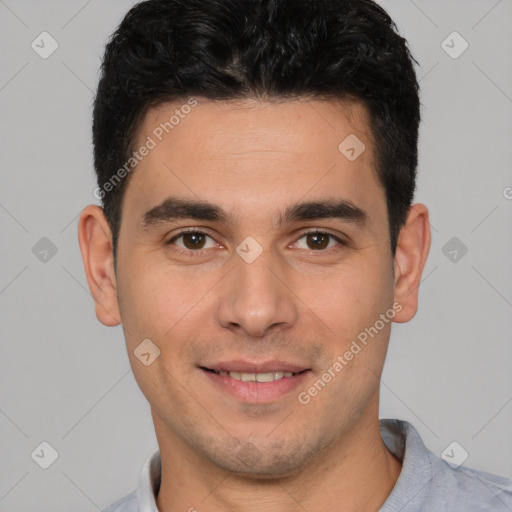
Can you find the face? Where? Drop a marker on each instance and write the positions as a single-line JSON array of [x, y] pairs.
[[250, 248]]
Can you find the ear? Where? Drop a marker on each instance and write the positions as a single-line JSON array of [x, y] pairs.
[[410, 257], [95, 239]]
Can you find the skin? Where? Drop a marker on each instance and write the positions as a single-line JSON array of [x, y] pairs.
[[294, 303]]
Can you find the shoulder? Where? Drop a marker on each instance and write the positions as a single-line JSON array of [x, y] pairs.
[[468, 488], [129, 503], [429, 483]]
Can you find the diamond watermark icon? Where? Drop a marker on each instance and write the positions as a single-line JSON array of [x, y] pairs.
[[44, 45], [454, 249], [454, 454], [44, 455], [352, 147], [44, 250], [249, 249], [249, 454], [146, 352], [454, 45]]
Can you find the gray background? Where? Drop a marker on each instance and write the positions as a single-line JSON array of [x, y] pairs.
[[65, 379]]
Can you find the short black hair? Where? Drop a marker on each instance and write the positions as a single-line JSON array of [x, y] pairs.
[[165, 50]]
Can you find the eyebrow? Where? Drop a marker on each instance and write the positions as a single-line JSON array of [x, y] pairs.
[[174, 208]]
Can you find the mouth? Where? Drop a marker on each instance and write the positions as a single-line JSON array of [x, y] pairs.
[[254, 377], [255, 383]]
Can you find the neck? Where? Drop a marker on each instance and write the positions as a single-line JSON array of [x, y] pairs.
[[356, 473]]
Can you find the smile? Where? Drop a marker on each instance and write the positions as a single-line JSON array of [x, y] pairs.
[[255, 377], [258, 386]]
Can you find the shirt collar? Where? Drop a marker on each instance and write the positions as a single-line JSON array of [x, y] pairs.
[[150, 483]]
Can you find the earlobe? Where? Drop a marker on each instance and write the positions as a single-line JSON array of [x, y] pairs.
[[410, 258], [95, 239]]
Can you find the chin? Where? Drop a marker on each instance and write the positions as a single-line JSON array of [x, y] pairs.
[[270, 464]]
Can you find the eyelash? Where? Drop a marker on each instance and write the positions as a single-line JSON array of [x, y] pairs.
[[192, 252]]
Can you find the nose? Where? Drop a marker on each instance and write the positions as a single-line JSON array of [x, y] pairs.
[[257, 297]]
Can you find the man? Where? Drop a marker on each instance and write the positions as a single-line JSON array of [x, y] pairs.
[[256, 162]]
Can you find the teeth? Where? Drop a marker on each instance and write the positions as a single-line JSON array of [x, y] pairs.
[[269, 377], [256, 377]]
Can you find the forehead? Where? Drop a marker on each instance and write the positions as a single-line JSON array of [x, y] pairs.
[[249, 154], [246, 126]]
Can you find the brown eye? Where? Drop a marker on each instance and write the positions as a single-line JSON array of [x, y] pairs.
[[317, 240], [193, 240]]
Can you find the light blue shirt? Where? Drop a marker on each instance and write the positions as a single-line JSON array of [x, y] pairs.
[[426, 483]]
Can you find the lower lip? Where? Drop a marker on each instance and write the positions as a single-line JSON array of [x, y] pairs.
[[257, 392]]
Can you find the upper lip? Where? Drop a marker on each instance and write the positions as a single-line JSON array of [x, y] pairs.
[[253, 367]]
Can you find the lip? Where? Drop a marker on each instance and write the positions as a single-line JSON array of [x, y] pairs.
[[256, 392], [241, 365]]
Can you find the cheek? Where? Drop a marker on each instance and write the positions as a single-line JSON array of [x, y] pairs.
[[350, 298], [157, 300]]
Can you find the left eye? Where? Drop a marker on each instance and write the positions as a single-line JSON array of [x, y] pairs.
[[317, 240]]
